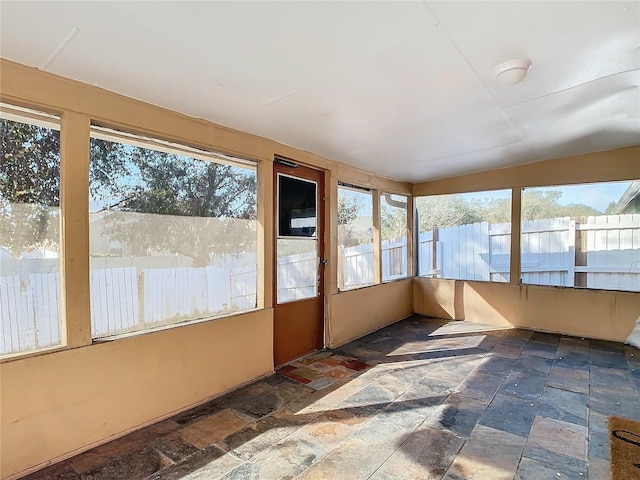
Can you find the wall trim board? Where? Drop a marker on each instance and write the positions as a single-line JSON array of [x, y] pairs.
[[611, 165], [612, 314]]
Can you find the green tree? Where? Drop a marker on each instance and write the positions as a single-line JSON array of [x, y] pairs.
[[445, 211], [199, 207], [29, 186]]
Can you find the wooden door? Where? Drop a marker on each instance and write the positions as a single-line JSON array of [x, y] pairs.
[[299, 257]]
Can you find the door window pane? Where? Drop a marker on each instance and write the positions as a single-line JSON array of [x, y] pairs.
[[355, 238], [393, 212], [297, 268], [465, 236], [29, 232], [296, 207], [582, 236], [173, 235]]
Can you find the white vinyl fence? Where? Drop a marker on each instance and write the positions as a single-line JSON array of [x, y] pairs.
[[602, 252], [30, 302]]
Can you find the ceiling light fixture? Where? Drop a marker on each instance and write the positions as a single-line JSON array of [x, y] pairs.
[[512, 72]]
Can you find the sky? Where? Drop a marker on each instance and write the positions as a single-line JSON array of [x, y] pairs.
[[596, 195]]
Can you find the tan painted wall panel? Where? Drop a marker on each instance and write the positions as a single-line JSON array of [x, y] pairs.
[[621, 164], [578, 312], [355, 313], [56, 404]]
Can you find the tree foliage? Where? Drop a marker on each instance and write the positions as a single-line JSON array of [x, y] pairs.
[[453, 210], [158, 201], [29, 186]]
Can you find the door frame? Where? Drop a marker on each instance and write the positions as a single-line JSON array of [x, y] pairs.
[[291, 168]]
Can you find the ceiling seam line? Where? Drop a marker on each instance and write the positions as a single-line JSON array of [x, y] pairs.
[[476, 151], [346, 65], [571, 88], [493, 100]]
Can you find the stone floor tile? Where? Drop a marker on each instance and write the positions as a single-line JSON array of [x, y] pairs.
[[508, 350], [488, 454], [212, 429], [524, 386], [573, 360], [60, 471], [532, 365], [495, 364], [480, 386], [568, 379], [560, 437], [287, 459], [433, 384], [543, 350], [426, 453], [458, 414], [372, 396], [599, 469], [97, 457], [568, 467], [598, 436], [514, 340], [333, 427], [574, 344], [448, 376], [411, 371], [607, 401], [543, 337], [510, 414], [609, 360], [173, 447], [611, 379], [352, 459], [533, 470], [206, 464], [452, 476], [429, 387], [606, 346], [134, 465], [250, 441], [564, 405]]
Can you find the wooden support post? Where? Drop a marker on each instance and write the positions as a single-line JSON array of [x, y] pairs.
[[74, 201]]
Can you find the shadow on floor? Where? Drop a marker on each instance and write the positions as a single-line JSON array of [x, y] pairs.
[[443, 399]]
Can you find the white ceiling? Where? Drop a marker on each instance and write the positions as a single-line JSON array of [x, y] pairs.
[[402, 89]]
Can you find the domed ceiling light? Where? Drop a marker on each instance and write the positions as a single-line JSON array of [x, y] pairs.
[[512, 72]]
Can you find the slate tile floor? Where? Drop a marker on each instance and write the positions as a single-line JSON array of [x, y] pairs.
[[450, 400]]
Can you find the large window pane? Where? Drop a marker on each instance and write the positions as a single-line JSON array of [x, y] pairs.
[[465, 236], [582, 236], [393, 223], [172, 236], [29, 232], [355, 237]]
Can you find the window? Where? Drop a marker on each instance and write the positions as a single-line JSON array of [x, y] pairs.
[[582, 236], [173, 234], [465, 236], [355, 237], [29, 231], [393, 224]]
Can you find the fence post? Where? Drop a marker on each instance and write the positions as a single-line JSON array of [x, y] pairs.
[[434, 252], [571, 257], [140, 286]]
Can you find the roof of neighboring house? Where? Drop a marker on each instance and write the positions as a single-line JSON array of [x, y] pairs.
[[629, 196]]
